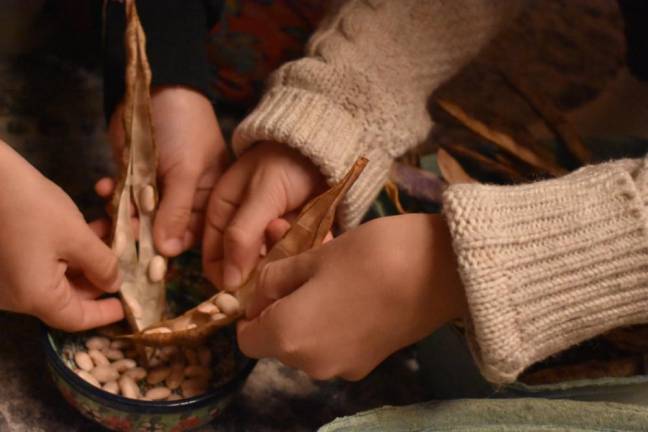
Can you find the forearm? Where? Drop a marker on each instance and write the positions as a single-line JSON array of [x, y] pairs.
[[176, 33], [363, 87], [550, 264]]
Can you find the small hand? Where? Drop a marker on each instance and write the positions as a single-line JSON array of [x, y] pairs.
[[52, 265], [340, 309], [192, 155], [267, 182]]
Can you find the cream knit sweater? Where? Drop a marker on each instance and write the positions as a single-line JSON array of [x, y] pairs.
[[545, 265]]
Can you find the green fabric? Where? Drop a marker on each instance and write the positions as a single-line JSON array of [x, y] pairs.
[[498, 415]]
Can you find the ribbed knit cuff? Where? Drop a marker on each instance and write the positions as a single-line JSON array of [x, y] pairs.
[[323, 132], [548, 265]]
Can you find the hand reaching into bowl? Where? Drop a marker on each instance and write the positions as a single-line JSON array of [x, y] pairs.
[[52, 264]]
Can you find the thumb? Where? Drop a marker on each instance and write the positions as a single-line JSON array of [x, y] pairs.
[[277, 279], [95, 259], [171, 225]]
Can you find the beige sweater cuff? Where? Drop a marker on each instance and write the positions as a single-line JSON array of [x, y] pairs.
[[323, 132], [548, 265]]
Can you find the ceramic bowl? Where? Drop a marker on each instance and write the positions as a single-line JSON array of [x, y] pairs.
[[118, 413]]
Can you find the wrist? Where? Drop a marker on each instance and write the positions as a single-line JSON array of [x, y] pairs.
[[445, 293]]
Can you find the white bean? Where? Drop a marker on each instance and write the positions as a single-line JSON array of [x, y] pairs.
[[113, 354], [157, 268], [192, 357], [158, 374], [105, 373], [218, 317], [111, 387], [97, 342], [147, 198], [227, 303], [137, 373], [83, 360], [174, 397], [204, 356], [124, 365], [120, 344], [158, 393], [158, 330], [195, 371], [98, 357], [207, 308], [176, 377], [128, 387], [180, 323], [193, 387], [89, 378]]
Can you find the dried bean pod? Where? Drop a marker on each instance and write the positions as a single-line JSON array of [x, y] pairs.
[[89, 378], [158, 393], [83, 361], [105, 373], [98, 357], [158, 374], [97, 342]]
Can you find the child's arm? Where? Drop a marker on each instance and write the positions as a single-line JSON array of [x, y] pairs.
[[362, 90], [52, 265], [550, 264]]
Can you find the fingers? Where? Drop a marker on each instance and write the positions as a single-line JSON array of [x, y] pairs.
[[78, 312], [105, 187], [278, 279], [222, 205], [86, 252], [276, 230], [170, 228]]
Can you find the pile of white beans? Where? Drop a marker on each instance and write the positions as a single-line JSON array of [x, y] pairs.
[[172, 373]]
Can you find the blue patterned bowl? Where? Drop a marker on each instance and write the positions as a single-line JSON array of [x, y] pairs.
[[122, 414], [185, 288]]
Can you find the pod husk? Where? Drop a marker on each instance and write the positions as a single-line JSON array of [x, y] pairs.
[[306, 232], [144, 301]]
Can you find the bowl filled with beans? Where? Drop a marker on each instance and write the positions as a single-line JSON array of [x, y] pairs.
[[174, 388]]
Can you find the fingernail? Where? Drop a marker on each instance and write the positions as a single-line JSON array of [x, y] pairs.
[[173, 246], [231, 277]]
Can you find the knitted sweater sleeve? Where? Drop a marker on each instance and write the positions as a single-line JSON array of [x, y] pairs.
[[550, 264], [363, 87]]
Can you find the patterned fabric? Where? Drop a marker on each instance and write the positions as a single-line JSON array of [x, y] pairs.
[[253, 38]]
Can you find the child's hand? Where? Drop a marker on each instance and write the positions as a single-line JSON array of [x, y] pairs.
[[340, 309], [192, 156], [52, 265], [266, 183]]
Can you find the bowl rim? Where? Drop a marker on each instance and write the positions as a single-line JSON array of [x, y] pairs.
[[137, 406]]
